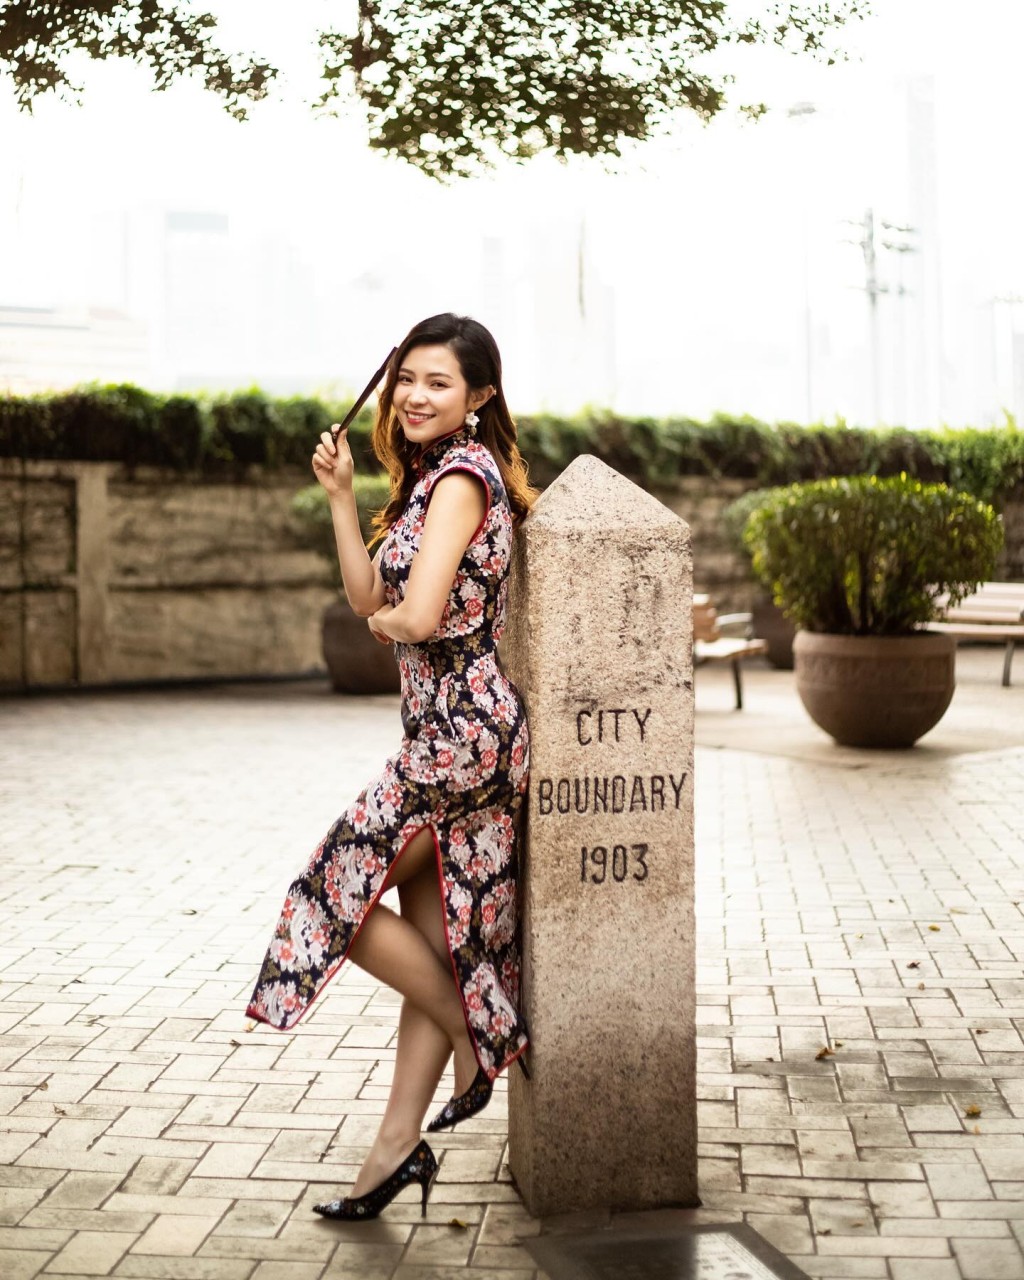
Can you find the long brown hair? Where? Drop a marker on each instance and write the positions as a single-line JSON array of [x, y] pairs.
[[480, 363]]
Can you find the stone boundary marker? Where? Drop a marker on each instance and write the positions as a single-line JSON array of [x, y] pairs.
[[599, 644]]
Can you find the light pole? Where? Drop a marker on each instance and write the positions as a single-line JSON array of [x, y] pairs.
[[1011, 301], [803, 111], [874, 289], [900, 244]]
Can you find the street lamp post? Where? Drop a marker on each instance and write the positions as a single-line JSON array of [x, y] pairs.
[[803, 111], [874, 289], [1000, 383]]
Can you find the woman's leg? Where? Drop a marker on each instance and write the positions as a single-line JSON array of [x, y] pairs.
[[410, 954]]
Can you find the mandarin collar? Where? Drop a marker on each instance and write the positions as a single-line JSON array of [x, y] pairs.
[[434, 452]]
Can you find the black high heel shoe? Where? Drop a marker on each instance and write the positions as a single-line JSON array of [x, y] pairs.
[[419, 1167], [467, 1104]]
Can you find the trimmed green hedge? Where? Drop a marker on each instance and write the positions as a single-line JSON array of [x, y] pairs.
[[210, 435], [194, 434]]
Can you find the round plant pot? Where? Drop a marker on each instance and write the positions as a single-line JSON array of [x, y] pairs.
[[770, 624], [875, 691], [355, 661]]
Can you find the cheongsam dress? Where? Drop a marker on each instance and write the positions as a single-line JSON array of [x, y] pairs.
[[461, 770]]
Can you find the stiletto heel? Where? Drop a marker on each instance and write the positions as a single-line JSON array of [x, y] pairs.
[[467, 1104], [425, 1188], [524, 1068], [419, 1167]]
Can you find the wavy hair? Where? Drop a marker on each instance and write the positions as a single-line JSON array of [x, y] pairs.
[[480, 363]]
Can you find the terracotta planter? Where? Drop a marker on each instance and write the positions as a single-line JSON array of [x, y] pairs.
[[355, 661], [770, 624], [875, 691]]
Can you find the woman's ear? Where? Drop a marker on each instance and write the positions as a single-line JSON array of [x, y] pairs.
[[479, 398]]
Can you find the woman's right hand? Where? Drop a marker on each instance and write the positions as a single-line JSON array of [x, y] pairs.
[[332, 462]]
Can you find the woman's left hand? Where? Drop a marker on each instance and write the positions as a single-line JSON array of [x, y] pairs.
[[374, 621]]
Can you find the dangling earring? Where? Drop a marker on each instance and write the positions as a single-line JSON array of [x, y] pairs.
[[471, 422]]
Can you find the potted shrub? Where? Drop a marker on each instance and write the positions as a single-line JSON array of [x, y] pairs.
[[356, 662], [768, 622], [858, 564]]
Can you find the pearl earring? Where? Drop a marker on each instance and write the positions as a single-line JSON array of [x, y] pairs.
[[471, 422]]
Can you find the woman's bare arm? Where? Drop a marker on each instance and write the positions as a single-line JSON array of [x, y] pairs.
[[457, 506], [333, 467], [363, 585]]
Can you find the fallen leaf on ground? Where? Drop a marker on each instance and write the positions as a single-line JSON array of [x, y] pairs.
[[957, 911], [920, 986], [458, 1223], [935, 928], [838, 1043], [236, 1043], [976, 1129], [59, 1110], [823, 1052], [914, 964], [42, 1087], [827, 1231], [972, 1110]]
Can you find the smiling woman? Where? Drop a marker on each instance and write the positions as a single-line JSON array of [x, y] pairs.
[[440, 823]]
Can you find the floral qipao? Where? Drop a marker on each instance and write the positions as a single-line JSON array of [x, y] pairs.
[[461, 770]]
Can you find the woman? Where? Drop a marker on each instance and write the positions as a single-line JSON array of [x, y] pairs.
[[439, 824]]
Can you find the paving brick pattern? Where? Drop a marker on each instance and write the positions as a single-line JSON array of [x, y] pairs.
[[869, 907]]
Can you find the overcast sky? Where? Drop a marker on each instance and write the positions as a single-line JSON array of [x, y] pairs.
[[716, 270]]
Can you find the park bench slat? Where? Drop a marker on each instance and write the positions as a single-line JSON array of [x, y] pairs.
[[709, 645], [994, 612]]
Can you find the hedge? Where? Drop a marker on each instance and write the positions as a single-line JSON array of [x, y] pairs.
[[230, 434]]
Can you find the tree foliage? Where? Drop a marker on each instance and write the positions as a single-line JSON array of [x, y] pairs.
[[450, 85], [38, 43]]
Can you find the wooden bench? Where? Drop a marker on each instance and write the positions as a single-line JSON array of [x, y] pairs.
[[710, 645], [994, 612]]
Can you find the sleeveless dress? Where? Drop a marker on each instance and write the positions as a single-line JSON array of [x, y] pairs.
[[461, 770]]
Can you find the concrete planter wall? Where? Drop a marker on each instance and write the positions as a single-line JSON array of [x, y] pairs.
[[875, 691], [108, 577]]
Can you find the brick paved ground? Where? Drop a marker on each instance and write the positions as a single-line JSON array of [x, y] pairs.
[[869, 903]]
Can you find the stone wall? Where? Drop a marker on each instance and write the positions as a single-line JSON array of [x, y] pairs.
[[718, 566], [107, 577]]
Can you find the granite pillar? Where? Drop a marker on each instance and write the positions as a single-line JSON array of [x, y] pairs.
[[599, 644]]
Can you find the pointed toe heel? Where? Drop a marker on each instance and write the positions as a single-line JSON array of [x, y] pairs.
[[467, 1104], [420, 1167]]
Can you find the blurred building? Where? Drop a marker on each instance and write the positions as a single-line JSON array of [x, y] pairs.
[[46, 348]]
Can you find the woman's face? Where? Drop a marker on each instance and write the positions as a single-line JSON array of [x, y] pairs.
[[431, 396]]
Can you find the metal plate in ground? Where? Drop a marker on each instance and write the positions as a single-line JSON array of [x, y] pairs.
[[727, 1251]]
